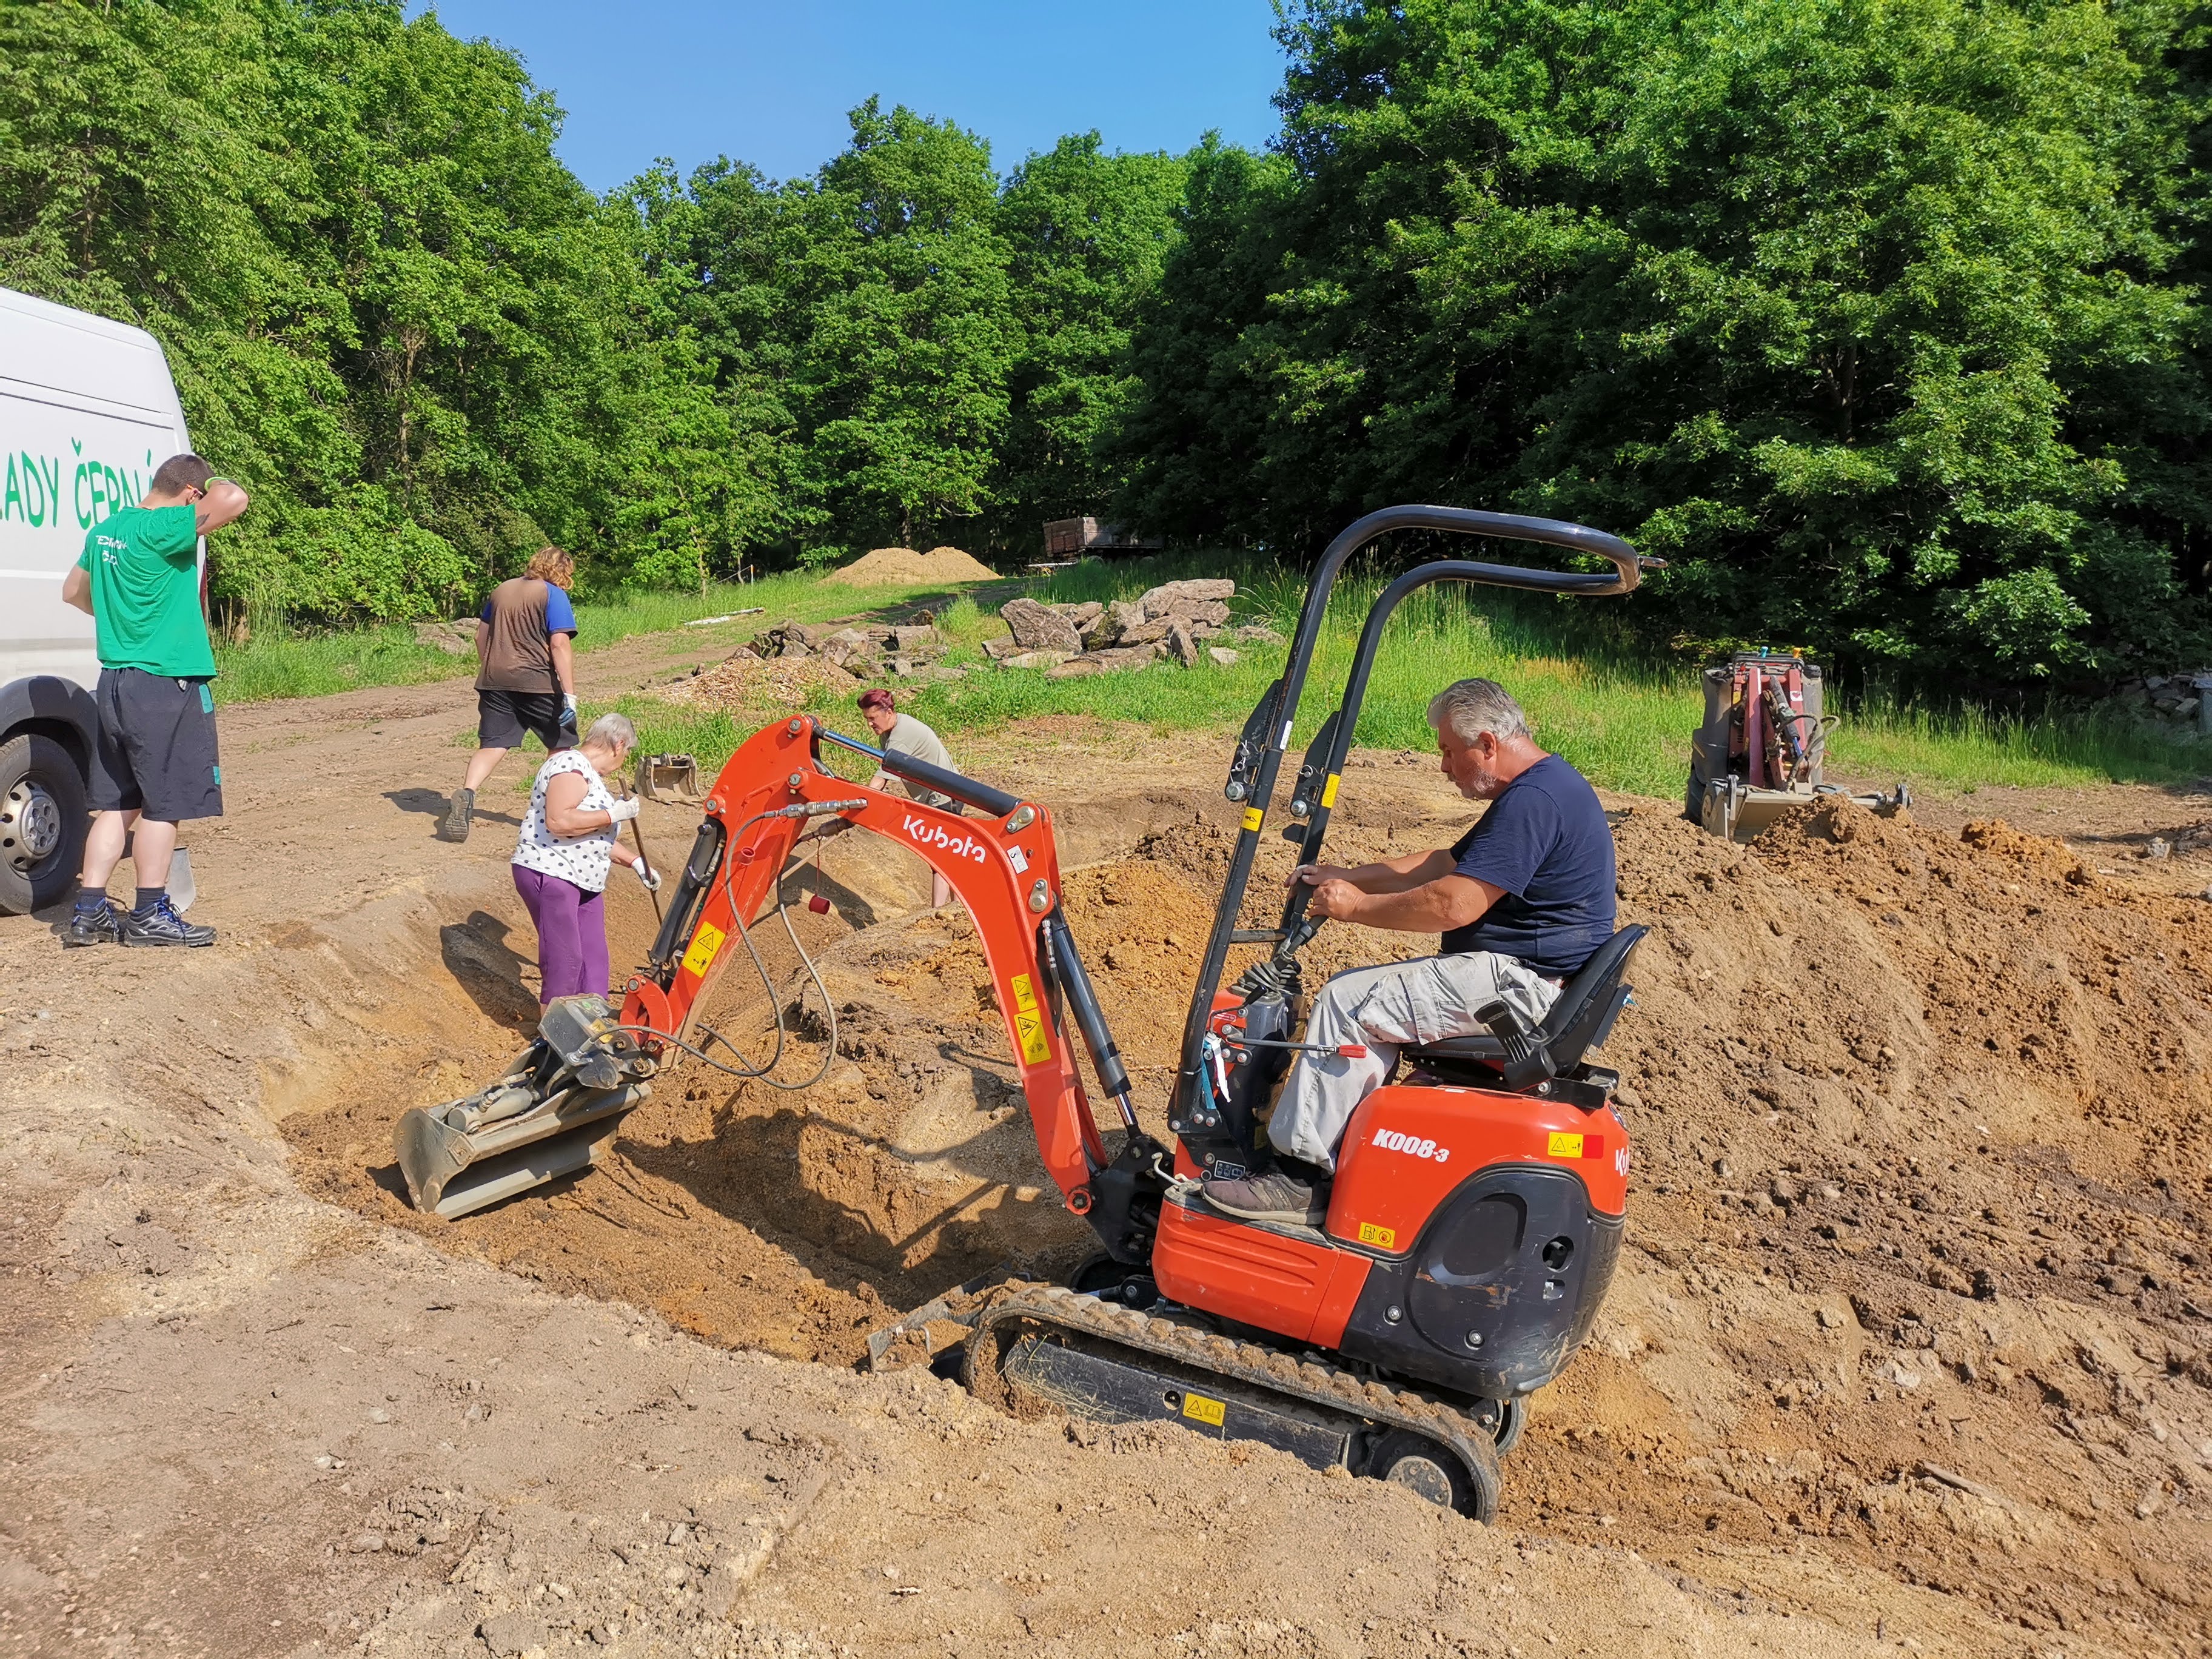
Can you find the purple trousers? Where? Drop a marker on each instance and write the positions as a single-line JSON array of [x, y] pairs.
[[571, 935]]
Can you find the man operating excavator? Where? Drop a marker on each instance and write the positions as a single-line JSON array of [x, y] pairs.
[[1522, 901]]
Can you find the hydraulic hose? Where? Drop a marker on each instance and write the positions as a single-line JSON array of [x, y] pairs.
[[745, 1069]]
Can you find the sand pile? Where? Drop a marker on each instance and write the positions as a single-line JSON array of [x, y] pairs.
[[902, 566]]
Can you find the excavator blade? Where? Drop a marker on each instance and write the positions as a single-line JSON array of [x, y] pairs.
[[555, 1110]]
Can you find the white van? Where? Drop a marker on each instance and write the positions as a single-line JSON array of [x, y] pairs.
[[86, 412]]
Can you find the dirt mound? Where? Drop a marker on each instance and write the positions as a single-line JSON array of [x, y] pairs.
[[1914, 1313], [902, 566]]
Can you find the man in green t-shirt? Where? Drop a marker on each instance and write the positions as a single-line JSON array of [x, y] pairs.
[[155, 760]]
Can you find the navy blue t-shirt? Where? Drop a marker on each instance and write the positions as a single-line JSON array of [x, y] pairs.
[[1545, 841]]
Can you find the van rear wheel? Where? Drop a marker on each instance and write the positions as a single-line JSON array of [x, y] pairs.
[[42, 822]]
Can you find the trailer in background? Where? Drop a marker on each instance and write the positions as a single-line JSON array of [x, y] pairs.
[[1066, 540], [88, 410]]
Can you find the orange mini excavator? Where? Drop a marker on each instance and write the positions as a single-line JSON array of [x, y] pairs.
[[1478, 1207]]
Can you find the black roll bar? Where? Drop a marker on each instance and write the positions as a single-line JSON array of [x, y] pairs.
[[1628, 568]]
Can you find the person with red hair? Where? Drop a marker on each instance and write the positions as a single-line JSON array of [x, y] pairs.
[[902, 734]]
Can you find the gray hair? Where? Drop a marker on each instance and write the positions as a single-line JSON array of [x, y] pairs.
[[1467, 709], [613, 732]]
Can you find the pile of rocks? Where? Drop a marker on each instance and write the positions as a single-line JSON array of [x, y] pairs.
[[2172, 698], [868, 651], [1168, 622]]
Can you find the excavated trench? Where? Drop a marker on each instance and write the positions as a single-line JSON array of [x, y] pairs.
[[1917, 1272], [798, 1221]]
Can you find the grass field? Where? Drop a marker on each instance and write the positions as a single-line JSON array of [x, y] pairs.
[[279, 662], [1623, 718], [1625, 721]]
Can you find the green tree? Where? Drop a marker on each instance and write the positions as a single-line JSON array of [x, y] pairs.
[[909, 332], [391, 310], [1866, 313], [1088, 233], [1191, 443]]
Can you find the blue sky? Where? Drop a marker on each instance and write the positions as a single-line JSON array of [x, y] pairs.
[[769, 83]]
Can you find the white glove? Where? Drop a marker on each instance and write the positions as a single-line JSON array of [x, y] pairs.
[[647, 877], [568, 707], [623, 812]]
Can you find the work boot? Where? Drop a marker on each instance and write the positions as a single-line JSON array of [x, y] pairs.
[[1276, 1195], [160, 924], [458, 815], [100, 926]]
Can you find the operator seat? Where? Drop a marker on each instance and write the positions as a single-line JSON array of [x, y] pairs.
[[1579, 1020]]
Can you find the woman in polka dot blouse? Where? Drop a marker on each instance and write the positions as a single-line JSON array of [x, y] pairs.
[[561, 860]]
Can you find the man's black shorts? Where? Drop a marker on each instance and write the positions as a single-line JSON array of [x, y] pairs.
[[156, 752], [503, 716]]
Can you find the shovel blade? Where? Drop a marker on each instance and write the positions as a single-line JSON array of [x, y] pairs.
[[183, 889]]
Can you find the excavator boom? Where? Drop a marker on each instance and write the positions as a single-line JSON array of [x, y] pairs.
[[557, 1108]]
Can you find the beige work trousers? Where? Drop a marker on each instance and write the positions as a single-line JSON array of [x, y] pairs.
[[1398, 1005]]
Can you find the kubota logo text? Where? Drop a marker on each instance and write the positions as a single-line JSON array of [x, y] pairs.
[[1391, 1140], [926, 834]]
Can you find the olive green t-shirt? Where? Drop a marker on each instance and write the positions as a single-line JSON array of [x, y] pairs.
[[145, 577]]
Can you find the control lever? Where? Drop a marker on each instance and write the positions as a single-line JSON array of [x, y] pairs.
[[1527, 1061]]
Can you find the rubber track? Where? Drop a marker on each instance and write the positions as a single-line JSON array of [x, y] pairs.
[[1265, 1368]]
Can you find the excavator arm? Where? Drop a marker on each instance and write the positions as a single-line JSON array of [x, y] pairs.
[[1004, 866], [557, 1108]]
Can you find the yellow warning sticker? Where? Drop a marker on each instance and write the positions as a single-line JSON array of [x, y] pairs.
[[1328, 790], [1564, 1146], [1382, 1239], [1199, 1409], [1252, 816], [704, 945], [1029, 1028], [1029, 1023]]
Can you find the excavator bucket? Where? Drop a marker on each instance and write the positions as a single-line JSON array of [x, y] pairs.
[[555, 1111], [673, 778]]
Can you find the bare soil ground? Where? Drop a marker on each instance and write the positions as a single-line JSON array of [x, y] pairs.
[[1910, 1352]]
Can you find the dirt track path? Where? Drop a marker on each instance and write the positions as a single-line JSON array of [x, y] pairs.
[[253, 1411]]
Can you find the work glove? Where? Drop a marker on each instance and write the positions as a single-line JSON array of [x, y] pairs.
[[568, 727], [647, 877], [623, 812]]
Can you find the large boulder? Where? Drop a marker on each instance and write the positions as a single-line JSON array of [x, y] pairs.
[[1102, 662], [1181, 646], [1039, 628], [1114, 624], [1170, 596]]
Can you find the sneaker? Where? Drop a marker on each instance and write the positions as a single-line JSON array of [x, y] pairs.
[[1277, 1195], [100, 926], [458, 815], [162, 925]]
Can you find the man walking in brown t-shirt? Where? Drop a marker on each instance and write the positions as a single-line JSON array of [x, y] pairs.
[[525, 642]]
